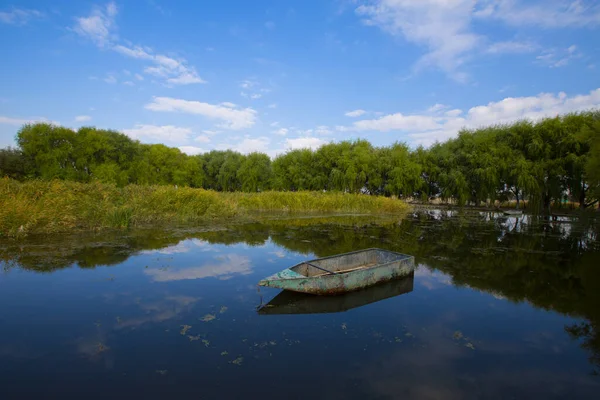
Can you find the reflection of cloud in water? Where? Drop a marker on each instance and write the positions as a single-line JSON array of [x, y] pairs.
[[185, 246], [435, 367], [159, 311], [225, 267], [278, 253], [431, 279]]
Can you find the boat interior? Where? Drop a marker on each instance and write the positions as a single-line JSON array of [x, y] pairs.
[[346, 262]]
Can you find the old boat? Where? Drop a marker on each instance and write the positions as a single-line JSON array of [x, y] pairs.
[[287, 302], [342, 273]]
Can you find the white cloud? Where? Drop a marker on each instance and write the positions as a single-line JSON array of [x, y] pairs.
[[110, 79], [304, 143], [323, 130], [250, 145], [248, 83], [191, 150], [139, 77], [82, 118], [511, 47], [210, 133], [556, 58], [252, 89], [23, 121], [543, 13], [274, 124], [273, 105], [186, 78], [233, 118], [19, 16], [436, 108], [129, 83], [158, 134], [202, 139], [281, 131], [228, 104], [394, 122], [355, 113], [427, 128], [443, 27], [446, 30], [133, 52], [100, 27], [270, 25]]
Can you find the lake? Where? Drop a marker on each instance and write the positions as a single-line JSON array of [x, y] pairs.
[[498, 307]]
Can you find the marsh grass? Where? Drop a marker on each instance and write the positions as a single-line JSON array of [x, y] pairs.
[[62, 206]]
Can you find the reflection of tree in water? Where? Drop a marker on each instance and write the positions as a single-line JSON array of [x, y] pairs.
[[552, 265]]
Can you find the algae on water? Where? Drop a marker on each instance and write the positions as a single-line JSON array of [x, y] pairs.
[[208, 317], [238, 361], [184, 329]]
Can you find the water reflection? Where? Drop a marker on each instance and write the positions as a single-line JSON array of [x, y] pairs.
[[502, 307], [223, 268], [288, 302]]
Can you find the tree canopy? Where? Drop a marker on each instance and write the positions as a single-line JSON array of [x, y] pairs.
[[542, 162]]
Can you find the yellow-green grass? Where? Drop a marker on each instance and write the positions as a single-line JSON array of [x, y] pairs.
[[61, 206]]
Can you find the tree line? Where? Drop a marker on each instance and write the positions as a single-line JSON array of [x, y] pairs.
[[541, 162]]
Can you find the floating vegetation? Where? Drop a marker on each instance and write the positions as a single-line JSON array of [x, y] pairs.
[[98, 324], [101, 348], [208, 317], [223, 309], [397, 339], [111, 278], [457, 335], [273, 343], [184, 329], [408, 334], [206, 342], [161, 371], [224, 353], [119, 320], [238, 361], [193, 338], [470, 345], [344, 327]]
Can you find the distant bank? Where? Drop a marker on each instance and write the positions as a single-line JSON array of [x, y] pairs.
[[37, 206]]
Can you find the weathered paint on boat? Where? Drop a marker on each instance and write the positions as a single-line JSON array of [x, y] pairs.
[[351, 271], [288, 302]]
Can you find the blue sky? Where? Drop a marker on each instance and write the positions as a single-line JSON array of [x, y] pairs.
[[271, 75]]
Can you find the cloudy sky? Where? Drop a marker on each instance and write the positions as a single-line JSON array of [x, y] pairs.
[[270, 75]]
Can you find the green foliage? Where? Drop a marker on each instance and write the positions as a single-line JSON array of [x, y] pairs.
[[13, 164], [38, 206], [538, 164]]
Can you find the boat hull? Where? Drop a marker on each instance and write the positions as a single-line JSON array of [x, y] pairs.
[[288, 302], [334, 284]]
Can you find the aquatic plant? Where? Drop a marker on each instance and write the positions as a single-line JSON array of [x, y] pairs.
[[39, 206]]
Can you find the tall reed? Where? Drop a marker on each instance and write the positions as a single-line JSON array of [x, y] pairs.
[[63, 206]]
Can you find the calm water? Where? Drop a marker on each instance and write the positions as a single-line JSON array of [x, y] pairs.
[[498, 308]]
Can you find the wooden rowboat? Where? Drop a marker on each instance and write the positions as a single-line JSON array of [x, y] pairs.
[[287, 302], [342, 273]]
